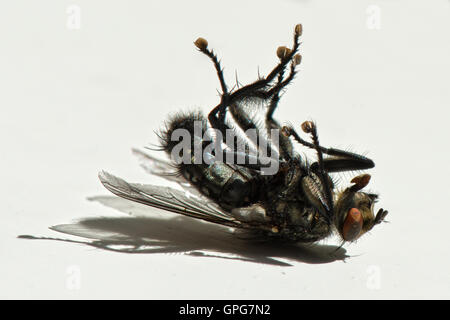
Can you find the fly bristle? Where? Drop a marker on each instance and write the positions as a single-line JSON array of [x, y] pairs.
[[184, 120]]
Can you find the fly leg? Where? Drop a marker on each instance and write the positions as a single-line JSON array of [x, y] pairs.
[[217, 116], [281, 83], [257, 90], [345, 161], [202, 45], [245, 122], [254, 89], [285, 144], [339, 161], [310, 127]]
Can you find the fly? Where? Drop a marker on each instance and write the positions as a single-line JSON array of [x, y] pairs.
[[298, 201]]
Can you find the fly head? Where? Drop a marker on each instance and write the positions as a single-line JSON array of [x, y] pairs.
[[355, 210]]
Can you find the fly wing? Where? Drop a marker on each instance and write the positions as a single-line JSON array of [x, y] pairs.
[[158, 167], [164, 169], [169, 199]]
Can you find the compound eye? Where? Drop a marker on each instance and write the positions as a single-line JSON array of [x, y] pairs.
[[352, 225]]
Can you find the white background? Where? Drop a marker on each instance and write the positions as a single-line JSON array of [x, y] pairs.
[[74, 101]]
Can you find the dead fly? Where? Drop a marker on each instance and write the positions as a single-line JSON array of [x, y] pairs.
[[298, 202]]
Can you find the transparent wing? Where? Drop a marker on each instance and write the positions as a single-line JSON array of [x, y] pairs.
[[169, 199], [165, 169], [158, 167]]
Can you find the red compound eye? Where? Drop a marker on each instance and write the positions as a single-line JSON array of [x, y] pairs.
[[352, 225]]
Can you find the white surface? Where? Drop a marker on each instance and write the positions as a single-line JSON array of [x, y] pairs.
[[73, 102]]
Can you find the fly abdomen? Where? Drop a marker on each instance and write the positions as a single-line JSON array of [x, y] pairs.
[[229, 185]]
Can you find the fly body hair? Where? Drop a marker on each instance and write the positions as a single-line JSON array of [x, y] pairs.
[[181, 120]]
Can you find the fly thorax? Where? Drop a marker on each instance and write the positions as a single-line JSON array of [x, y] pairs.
[[299, 215], [290, 212]]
